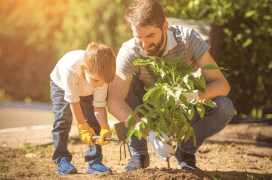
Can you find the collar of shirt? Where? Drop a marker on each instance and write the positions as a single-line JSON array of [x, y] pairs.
[[171, 43]]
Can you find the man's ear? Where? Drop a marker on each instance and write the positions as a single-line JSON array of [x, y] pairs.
[[165, 26]]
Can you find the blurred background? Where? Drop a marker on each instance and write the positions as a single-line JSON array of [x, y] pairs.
[[35, 34]]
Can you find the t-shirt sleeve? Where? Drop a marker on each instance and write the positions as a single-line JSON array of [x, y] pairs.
[[124, 60], [196, 46], [71, 86], [100, 96]]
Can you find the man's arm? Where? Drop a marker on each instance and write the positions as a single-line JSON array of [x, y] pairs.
[[217, 84], [118, 91]]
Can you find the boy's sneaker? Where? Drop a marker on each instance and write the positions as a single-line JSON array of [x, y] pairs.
[[65, 167], [138, 162], [185, 160], [97, 167]]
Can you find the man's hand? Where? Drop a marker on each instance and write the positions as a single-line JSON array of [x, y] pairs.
[[163, 150], [191, 96], [86, 133], [105, 132]]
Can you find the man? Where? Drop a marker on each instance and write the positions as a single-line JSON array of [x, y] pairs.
[[154, 37]]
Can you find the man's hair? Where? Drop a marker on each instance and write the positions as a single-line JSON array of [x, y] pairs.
[[100, 59], [145, 13]]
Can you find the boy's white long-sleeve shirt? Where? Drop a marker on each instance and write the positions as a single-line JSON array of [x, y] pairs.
[[68, 76]]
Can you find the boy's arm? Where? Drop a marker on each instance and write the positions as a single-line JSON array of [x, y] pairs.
[[101, 115], [99, 103], [77, 112], [85, 131]]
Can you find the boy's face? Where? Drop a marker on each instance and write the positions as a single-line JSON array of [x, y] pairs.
[[94, 79], [151, 39]]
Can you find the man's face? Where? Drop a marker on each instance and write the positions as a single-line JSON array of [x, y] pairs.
[[150, 39]]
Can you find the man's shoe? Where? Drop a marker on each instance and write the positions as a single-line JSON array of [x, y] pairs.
[[97, 167], [185, 160], [65, 167], [138, 162]]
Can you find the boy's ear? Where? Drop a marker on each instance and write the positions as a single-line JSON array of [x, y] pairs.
[[82, 67]]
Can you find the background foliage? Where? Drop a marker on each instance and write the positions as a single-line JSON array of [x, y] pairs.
[[37, 33], [34, 34], [246, 48]]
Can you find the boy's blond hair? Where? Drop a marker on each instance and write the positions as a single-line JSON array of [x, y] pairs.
[[100, 59]]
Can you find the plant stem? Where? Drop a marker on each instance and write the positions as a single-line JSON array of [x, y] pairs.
[[174, 82], [168, 162]]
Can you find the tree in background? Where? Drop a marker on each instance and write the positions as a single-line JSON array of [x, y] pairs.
[[246, 48], [37, 33], [34, 34]]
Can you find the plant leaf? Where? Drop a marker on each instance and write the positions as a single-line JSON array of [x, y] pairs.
[[138, 134], [140, 62], [176, 60], [143, 112], [138, 108], [163, 128], [149, 93], [143, 128], [155, 97], [184, 128], [190, 112], [183, 99], [132, 120], [189, 134], [211, 67], [131, 132], [148, 107], [200, 109], [183, 67], [209, 103]]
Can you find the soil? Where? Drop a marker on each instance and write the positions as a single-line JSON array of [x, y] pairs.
[[240, 151]]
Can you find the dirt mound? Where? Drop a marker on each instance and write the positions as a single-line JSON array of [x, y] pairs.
[[158, 173]]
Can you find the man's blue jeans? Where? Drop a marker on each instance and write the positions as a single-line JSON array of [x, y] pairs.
[[63, 122], [214, 120]]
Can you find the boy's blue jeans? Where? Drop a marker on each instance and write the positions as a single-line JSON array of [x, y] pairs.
[[63, 122], [214, 120]]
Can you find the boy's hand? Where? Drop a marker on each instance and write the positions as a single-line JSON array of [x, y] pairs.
[[86, 133], [105, 132]]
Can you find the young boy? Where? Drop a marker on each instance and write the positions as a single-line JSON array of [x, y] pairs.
[[79, 86]]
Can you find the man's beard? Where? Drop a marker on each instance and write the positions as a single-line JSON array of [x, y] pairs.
[[155, 47]]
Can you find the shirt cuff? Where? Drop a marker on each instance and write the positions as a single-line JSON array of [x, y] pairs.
[[71, 98], [100, 103]]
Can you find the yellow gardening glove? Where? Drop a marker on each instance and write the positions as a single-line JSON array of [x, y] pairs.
[[86, 133], [105, 132]]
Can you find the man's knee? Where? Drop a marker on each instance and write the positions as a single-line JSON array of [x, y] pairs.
[[224, 107]]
